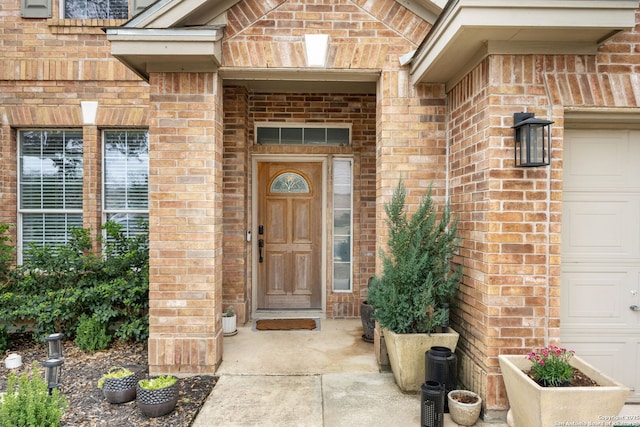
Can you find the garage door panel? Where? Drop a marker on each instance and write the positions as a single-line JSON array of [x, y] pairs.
[[594, 299], [601, 251], [604, 228], [610, 354], [601, 159]]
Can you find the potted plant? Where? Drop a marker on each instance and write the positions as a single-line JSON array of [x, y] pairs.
[[229, 322], [366, 316], [118, 385], [411, 297], [552, 384], [464, 407], [157, 396]]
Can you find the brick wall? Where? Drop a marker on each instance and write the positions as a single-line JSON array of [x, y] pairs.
[[185, 222], [48, 67], [269, 33], [242, 111], [411, 143], [510, 218]]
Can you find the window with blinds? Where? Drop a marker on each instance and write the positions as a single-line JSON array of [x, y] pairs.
[[342, 224], [50, 186], [126, 178]]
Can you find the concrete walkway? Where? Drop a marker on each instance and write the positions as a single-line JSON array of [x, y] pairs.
[[307, 378], [325, 378]]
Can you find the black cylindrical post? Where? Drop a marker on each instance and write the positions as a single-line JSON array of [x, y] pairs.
[[432, 399], [441, 365]]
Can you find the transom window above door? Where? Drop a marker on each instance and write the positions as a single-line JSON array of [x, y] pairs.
[[298, 134]]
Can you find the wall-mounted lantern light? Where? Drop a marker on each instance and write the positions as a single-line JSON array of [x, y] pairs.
[[532, 140]]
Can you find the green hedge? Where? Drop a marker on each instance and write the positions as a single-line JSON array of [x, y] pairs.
[[57, 285]]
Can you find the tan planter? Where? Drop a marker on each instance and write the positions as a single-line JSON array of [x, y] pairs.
[[464, 414], [533, 405], [406, 355]]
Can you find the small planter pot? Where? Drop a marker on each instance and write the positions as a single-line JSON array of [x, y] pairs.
[[229, 325], [120, 390], [464, 407], [368, 324], [157, 402]]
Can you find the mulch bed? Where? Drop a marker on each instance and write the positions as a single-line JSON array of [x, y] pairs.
[[80, 375]]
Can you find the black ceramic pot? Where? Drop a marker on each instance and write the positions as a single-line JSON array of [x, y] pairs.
[[156, 403], [120, 390]]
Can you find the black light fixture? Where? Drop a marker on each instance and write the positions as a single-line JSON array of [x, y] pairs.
[[532, 140], [54, 345], [53, 364], [52, 373]]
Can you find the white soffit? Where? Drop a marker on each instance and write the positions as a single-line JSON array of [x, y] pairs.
[[469, 30], [175, 49], [312, 80]]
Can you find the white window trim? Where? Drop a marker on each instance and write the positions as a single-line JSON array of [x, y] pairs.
[[106, 212], [351, 237], [291, 125], [20, 247]]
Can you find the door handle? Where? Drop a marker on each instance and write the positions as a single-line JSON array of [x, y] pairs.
[[260, 247], [634, 308]]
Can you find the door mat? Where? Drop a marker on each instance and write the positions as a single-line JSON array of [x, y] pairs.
[[286, 324]]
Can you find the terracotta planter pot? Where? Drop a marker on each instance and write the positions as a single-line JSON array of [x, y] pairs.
[[407, 355], [156, 403], [120, 390], [462, 413], [533, 405]]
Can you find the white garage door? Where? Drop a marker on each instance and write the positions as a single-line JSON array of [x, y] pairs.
[[601, 251]]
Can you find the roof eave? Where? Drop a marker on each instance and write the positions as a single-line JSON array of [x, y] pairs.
[[469, 30]]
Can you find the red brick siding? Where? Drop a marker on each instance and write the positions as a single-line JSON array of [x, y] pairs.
[[270, 34], [185, 225]]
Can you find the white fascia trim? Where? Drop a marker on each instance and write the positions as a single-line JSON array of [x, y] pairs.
[[170, 34], [169, 13], [474, 24]]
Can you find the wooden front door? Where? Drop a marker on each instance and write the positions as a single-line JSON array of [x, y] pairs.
[[289, 235]]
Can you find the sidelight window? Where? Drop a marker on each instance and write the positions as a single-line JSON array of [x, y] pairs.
[[342, 224]]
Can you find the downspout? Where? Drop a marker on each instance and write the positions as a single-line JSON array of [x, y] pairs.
[[548, 243], [448, 150]]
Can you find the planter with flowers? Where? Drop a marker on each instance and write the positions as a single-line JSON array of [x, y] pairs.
[[551, 385]]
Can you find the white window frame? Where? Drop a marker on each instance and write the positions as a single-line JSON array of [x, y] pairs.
[[63, 5], [334, 262], [21, 247], [106, 212], [289, 125]]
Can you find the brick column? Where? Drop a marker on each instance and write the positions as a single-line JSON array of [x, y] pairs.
[[8, 175], [235, 291], [410, 143], [92, 188], [509, 222], [185, 223]]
